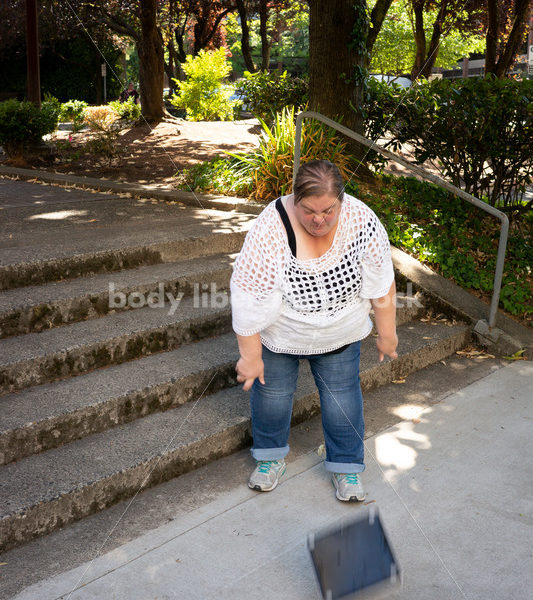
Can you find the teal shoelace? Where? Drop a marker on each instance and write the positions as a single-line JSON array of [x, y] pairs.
[[264, 466], [351, 478]]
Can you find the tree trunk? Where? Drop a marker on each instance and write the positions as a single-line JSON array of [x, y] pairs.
[[420, 38], [265, 46], [151, 61], [492, 36], [508, 56], [379, 12], [179, 35], [33, 79], [433, 49], [245, 37], [333, 90], [170, 67]]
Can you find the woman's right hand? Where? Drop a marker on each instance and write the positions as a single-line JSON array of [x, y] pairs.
[[248, 370]]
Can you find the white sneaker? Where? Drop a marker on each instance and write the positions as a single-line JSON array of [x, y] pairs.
[[266, 475], [348, 487]]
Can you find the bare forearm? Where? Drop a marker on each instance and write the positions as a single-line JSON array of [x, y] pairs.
[[385, 313], [385, 318], [250, 346]]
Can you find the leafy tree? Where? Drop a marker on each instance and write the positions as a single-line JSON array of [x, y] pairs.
[[70, 53], [395, 49], [342, 34], [138, 21], [188, 26], [266, 21], [446, 16], [288, 31]]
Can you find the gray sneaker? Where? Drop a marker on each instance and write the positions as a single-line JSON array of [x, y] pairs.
[[349, 487], [266, 475]]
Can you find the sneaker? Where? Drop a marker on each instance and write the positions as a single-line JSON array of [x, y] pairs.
[[349, 487], [266, 475]]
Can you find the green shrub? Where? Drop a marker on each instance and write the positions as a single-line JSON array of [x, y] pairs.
[[73, 111], [457, 240], [478, 130], [203, 95], [104, 146], [128, 111], [218, 175], [266, 173], [23, 124], [266, 94], [52, 101]]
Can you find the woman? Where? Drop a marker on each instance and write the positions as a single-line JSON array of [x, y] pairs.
[[310, 269]]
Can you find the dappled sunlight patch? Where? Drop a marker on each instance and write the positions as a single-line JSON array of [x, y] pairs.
[[398, 450], [408, 412], [59, 215]]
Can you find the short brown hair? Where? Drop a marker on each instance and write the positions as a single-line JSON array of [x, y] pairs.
[[316, 178]]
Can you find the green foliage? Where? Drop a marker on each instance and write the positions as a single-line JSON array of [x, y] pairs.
[[22, 123], [72, 111], [287, 27], [269, 93], [267, 172], [203, 94], [478, 131], [394, 49], [53, 102], [128, 111], [455, 239], [215, 176]]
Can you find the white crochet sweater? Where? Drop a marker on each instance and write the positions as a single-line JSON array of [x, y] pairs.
[[316, 305]]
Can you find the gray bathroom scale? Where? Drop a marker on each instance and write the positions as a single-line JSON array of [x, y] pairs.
[[354, 559]]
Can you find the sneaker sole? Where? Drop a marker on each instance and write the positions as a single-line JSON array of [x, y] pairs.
[[258, 488]]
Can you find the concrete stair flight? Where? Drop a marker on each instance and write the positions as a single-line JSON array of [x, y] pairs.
[[98, 402]]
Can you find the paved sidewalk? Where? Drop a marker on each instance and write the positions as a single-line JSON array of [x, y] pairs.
[[454, 487]]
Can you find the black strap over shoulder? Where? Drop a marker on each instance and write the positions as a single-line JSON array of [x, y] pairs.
[[288, 227]]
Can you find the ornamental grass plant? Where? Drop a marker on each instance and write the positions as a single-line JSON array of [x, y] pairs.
[[268, 170]]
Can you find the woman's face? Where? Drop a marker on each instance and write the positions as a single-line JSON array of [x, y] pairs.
[[318, 215]]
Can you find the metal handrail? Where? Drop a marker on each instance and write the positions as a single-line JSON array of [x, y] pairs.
[[504, 231]]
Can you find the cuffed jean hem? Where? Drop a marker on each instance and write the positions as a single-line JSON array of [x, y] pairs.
[[337, 467], [270, 453]]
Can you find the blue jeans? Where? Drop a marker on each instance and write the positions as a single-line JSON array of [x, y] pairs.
[[337, 379]]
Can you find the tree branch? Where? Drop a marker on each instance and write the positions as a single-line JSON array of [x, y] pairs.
[[515, 38], [377, 16], [117, 24]]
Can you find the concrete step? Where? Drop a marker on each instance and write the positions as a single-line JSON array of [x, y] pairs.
[[40, 307], [53, 414], [36, 358], [49, 415], [38, 246], [43, 492], [77, 348]]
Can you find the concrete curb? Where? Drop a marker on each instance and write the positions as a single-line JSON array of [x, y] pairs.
[[137, 190]]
